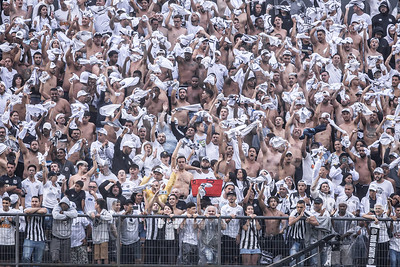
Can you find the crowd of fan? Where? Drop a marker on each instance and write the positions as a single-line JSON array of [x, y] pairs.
[[118, 107]]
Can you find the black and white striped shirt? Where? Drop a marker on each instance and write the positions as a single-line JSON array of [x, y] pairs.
[[34, 228], [151, 228], [249, 238], [298, 230]]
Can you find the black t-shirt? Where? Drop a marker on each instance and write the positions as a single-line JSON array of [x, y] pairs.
[[11, 181], [76, 197]]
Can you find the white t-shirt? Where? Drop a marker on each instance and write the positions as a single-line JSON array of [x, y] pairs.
[[385, 189], [31, 189], [335, 74], [7, 76], [233, 227], [212, 151], [220, 72], [51, 195], [364, 17], [127, 188]]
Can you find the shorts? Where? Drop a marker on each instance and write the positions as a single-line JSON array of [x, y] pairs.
[[7, 253], [101, 251], [250, 251]]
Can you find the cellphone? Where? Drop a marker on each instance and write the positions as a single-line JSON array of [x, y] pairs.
[[135, 207], [163, 192]]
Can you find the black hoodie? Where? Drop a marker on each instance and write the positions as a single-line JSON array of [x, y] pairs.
[[383, 19]]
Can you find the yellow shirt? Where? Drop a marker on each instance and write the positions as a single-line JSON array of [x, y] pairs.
[[150, 194]]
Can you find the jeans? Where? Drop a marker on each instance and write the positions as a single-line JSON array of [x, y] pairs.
[[394, 258], [34, 248], [296, 247]]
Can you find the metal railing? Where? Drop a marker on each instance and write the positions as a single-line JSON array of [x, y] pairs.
[[203, 240]]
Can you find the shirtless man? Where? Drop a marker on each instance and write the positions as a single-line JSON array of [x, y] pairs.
[[271, 158], [183, 177], [295, 145], [249, 163], [286, 168], [87, 128], [75, 136], [355, 36], [194, 91], [371, 126], [348, 125], [62, 105], [181, 115], [50, 83], [83, 174], [225, 163], [277, 126], [364, 166], [230, 86], [175, 31], [289, 69], [278, 30], [72, 67], [324, 137], [239, 15], [187, 67], [274, 229], [93, 46], [155, 101], [30, 155], [347, 48], [264, 64], [321, 46], [16, 10]]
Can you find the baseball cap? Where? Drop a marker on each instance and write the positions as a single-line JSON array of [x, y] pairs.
[[47, 126], [82, 93], [287, 153], [188, 50], [287, 53], [128, 143], [218, 52], [158, 169], [373, 187], [102, 131], [346, 110], [378, 170], [52, 65], [19, 34], [394, 154], [206, 158], [384, 165], [318, 200]]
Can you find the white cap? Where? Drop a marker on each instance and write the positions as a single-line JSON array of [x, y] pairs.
[[373, 187], [287, 52], [128, 143], [188, 50], [47, 126], [84, 77], [19, 34], [52, 65], [102, 131], [218, 52], [346, 110], [82, 93], [378, 170]]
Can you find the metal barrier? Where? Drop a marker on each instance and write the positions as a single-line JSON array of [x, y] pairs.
[[40, 240]]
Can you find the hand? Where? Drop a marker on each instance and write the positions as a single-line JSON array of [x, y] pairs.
[[253, 216], [233, 216]]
